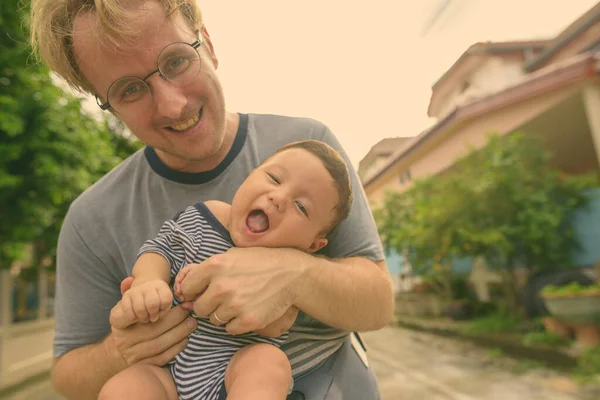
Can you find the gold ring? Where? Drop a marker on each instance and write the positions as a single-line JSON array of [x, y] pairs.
[[218, 319]]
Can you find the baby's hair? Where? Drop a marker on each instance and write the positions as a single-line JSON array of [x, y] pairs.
[[337, 169]]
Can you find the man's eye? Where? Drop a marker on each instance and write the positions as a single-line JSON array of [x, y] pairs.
[[130, 90], [274, 178], [302, 208]]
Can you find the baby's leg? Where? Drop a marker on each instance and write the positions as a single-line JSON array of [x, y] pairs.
[[258, 371], [141, 381]]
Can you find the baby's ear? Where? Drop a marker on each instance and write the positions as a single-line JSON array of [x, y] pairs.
[[317, 244]]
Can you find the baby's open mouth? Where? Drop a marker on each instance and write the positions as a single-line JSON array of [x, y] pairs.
[[257, 221]]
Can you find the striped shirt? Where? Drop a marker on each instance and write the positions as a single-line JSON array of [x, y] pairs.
[[199, 370]]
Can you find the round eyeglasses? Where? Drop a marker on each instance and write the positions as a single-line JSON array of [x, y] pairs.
[[178, 62]]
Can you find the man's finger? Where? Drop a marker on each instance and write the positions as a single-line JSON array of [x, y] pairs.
[[118, 318], [195, 282], [167, 355], [126, 284], [154, 347], [208, 301]]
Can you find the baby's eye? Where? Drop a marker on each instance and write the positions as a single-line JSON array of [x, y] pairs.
[[274, 178], [302, 208]]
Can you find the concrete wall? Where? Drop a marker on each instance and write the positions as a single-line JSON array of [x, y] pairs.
[[25, 350], [492, 76], [587, 228], [439, 154], [25, 347]]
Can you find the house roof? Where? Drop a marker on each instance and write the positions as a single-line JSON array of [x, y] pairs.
[[542, 81], [579, 26], [384, 147], [494, 48]]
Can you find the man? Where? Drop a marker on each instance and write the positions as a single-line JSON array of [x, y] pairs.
[[153, 65]]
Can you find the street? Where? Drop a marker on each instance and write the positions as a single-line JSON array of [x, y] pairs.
[[415, 365]]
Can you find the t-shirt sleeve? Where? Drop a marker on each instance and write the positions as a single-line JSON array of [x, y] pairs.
[[357, 235], [86, 290], [169, 243]]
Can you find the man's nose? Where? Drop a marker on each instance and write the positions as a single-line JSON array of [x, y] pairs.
[[168, 98]]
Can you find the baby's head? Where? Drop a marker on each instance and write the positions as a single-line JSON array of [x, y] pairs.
[[294, 198]]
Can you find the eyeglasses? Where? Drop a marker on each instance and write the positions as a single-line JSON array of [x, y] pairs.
[[178, 62]]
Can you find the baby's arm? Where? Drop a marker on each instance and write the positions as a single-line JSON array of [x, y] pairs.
[[150, 295]]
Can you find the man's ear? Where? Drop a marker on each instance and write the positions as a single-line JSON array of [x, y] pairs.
[[317, 244], [209, 47]]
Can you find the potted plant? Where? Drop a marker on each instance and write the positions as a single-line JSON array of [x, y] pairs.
[[577, 305]]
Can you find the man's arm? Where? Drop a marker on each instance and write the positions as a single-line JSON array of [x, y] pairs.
[[81, 373], [353, 294], [252, 287]]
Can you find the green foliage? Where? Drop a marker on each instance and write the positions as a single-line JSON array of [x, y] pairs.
[[523, 366], [496, 352], [571, 289], [496, 323], [544, 339], [520, 207], [588, 363], [503, 202], [49, 150]]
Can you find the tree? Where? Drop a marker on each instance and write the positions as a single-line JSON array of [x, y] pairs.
[[50, 151], [504, 202], [520, 207], [421, 224]]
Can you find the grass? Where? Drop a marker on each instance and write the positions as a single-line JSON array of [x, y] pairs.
[[544, 339], [495, 323]]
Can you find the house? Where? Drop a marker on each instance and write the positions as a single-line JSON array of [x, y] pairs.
[[377, 156], [549, 88]]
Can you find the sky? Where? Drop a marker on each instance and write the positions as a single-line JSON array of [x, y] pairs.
[[364, 68]]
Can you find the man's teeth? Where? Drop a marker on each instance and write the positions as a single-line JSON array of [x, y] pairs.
[[187, 124]]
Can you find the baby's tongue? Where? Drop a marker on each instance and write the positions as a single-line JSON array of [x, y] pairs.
[[258, 221]]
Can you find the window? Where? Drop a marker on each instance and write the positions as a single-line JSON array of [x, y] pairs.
[[405, 176]]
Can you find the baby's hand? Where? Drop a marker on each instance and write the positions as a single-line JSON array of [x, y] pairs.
[[148, 300]]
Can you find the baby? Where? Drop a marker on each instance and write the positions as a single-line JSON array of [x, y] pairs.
[[293, 199]]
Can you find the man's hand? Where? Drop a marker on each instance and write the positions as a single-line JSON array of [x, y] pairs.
[[153, 343], [282, 325], [248, 287]]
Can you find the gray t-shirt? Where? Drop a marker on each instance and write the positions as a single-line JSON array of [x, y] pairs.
[[107, 224]]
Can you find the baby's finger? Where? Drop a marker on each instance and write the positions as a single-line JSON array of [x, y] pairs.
[[139, 308], [152, 301], [165, 298]]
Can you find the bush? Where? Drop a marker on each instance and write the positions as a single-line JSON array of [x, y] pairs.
[[573, 288], [495, 323], [589, 362], [544, 339]]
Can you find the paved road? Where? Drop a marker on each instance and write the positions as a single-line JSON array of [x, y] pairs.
[[419, 366], [412, 365]]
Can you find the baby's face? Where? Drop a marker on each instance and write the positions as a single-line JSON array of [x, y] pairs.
[[288, 201]]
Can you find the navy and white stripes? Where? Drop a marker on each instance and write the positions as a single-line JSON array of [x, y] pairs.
[[199, 370]]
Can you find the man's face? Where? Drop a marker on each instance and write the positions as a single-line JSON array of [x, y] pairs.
[[288, 201], [184, 123]]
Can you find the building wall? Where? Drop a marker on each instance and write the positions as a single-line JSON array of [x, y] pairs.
[[439, 154], [492, 76], [587, 228]]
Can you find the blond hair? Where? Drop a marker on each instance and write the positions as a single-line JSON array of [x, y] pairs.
[[52, 29], [337, 169]]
